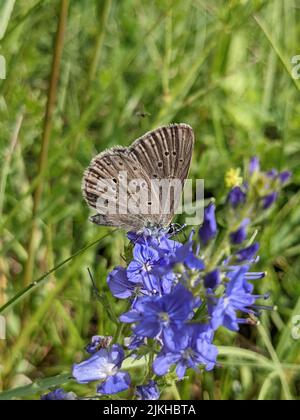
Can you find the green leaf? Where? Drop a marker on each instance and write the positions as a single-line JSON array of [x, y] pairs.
[[5, 14], [35, 388]]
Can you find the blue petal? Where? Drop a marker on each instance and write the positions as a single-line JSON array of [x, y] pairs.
[[179, 304], [239, 236], [247, 254], [144, 254], [116, 355], [119, 284], [134, 271], [59, 395], [134, 342], [163, 362], [180, 369], [114, 384], [236, 197], [148, 392], [96, 367], [148, 328], [285, 176], [209, 227], [92, 369], [171, 338], [254, 165], [231, 323], [207, 353], [151, 283], [212, 279], [269, 200], [130, 317]]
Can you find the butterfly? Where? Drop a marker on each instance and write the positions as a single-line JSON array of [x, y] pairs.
[[163, 154]]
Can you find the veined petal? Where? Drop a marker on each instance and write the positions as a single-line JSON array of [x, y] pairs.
[[163, 362], [114, 384]]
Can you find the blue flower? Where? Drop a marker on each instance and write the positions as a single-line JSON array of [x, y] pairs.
[[144, 258], [156, 317], [254, 165], [151, 267], [193, 348], [285, 176], [165, 245], [212, 279], [186, 255], [98, 342], [238, 297], [247, 254], [240, 235], [209, 228], [104, 365], [148, 392], [273, 174], [119, 284], [142, 271], [182, 254], [236, 197], [269, 200], [59, 395]]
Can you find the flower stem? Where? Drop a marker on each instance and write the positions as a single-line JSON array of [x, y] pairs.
[[118, 333], [176, 392], [219, 253]]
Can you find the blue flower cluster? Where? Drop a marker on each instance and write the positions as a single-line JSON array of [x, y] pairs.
[[177, 303], [180, 294], [262, 188]]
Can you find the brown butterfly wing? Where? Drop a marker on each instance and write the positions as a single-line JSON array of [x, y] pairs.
[[165, 153], [109, 166]]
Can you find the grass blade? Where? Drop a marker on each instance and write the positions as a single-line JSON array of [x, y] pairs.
[[5, 14], [28, 289], [35, 388]]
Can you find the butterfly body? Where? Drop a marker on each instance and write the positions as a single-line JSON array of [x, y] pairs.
[[160, 156]]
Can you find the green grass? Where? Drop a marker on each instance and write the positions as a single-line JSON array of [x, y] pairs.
[[222, 67]]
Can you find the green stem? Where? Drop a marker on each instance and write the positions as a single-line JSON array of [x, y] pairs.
[[276, 361], [7, 159], [43, 158], [219, 253], [118, 333], [176, 392], [278, 50], [120, 327], [151, 360], [104, 13]]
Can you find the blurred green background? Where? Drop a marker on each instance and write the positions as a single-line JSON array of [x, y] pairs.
[[127, 67]]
